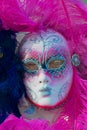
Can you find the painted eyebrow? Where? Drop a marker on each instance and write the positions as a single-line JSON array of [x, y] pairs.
[[55, 52], [38, 56], [34, 56]]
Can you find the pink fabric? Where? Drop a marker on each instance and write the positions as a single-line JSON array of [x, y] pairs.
[[13, 123]]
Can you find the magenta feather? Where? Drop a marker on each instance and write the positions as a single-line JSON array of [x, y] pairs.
[[31, 13]]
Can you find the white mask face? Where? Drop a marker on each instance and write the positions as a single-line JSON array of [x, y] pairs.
[[48, 70]]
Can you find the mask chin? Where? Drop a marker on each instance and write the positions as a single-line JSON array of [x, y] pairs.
[[49, 105]]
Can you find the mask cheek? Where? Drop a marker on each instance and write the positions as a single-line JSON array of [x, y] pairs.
[[32, 95], [27, 77], [63, 87], [31, 88], [64, 91]]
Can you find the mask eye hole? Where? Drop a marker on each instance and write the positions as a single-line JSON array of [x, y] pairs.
[[54, 64], [30, 65]]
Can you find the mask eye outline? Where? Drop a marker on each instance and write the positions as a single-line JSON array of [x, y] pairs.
[[56, 58], [34, 62]]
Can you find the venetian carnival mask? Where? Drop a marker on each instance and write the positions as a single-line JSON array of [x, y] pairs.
[[48, 70]]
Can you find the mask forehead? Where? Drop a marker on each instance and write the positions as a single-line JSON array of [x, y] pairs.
[[53, 39], [43, 42]]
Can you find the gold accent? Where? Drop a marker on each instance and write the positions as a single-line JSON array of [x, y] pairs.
[[56, 63], [31, 66], [1, 55]]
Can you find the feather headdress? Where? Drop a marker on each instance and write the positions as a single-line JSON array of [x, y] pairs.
[[68, 18], [27, 15]]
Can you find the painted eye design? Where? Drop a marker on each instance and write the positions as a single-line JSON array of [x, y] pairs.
[[52, 39], [30, 65], [54, 64]]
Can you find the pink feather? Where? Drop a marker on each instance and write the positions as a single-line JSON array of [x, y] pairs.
[[30, 13]]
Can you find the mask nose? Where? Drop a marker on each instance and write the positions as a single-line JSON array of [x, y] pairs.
[[43, 78]]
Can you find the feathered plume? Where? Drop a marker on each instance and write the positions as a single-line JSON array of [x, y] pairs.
[[11, 86], [30, 14]]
